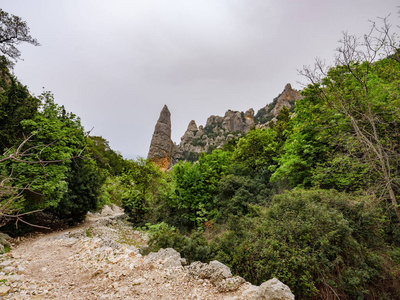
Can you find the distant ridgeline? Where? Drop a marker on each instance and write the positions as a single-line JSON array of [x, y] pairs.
[[216, 133]]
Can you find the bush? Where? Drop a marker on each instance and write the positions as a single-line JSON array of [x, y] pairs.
[[193, 247], [84, 188], [320, 243]]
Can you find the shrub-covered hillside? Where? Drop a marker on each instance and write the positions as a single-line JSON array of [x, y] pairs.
[[313, 200]]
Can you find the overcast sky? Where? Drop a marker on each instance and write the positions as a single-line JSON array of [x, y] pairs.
[[115, 63]]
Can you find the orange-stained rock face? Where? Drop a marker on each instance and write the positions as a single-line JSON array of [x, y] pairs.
[[163, 162]]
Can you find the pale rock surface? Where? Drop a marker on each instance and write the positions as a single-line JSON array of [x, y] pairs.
[[287, 98], [100, 260], [4, 290], [273, 289], [229, 284], [224, 270], [106, 211], [166, 258], [217, 273], [191, 132], [220, 129]]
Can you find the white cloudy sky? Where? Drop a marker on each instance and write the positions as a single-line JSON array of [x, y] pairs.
[[115, 63]]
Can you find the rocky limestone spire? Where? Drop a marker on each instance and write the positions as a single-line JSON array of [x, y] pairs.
[[249, 116], [190, 132], [161, 144], [287, 98]]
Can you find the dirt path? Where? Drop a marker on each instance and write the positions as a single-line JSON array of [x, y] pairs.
[[100, 260]]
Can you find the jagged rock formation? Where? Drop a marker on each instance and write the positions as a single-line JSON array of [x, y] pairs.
[[161, 145], [287, 98], [269, 113], [218, 130]]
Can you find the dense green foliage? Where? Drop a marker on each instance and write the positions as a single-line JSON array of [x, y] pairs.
[[50, 170], [312, 241], [311, 200], [16, 104]]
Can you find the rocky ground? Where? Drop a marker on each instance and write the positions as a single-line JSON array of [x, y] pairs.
[[100, 260]]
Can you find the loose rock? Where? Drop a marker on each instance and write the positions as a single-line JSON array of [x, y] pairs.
[[273, 289]]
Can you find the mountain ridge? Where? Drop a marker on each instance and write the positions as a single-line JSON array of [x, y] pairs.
[[215, 133]]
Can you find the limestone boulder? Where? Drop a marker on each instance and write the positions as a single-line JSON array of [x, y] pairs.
[[165, 258], [217, 273], [273, 289]]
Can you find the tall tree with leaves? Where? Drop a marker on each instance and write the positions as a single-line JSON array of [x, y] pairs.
[[16, 105], [364, 88]]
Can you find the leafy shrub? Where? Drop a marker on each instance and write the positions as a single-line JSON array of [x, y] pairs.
[[196, 185], [193, 247], [320, 243], [84, 187], [141, 183]]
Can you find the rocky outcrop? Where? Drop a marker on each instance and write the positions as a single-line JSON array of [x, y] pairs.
[[165, 258], [217, 131], [218, 274], [161, 145], [268, 114], [233, 121], [273, 289], [221, 277], [190, 133], [288, 97]]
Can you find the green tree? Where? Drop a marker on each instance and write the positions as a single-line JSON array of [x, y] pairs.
[[99, 149], [140, 182], [196, 185], [50, 168], [256, 150], [57, 136], [315, 129], [84, 180], [364, 90], [16, 105]]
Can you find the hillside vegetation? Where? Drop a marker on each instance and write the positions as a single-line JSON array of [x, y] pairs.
[[312, 200]]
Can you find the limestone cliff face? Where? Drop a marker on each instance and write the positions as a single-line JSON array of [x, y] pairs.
[[287, 98], [269, 113], [161, 145], [217, 131]]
